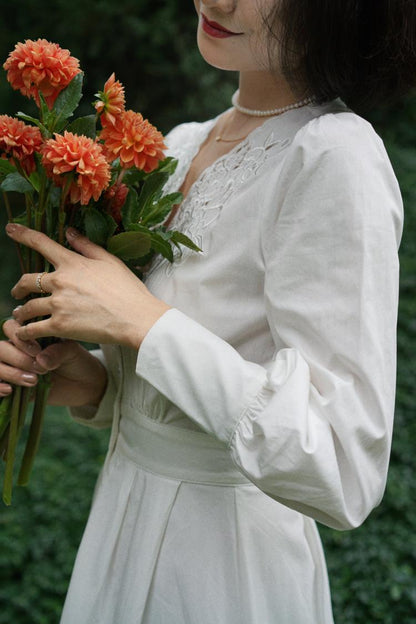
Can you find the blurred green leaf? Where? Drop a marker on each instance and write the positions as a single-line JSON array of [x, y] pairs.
[[17, 183], [98, 226], [129, 245]]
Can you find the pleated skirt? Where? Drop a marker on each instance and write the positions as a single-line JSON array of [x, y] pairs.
[[177, 535]]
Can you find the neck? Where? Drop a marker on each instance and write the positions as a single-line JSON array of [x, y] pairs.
[[262, 91]]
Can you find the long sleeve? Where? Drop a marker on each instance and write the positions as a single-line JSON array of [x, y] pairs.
[[102, 416], [313, 428]]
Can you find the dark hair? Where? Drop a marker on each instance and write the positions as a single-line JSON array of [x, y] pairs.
[[363, 51]]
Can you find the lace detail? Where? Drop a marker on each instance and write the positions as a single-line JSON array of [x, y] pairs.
[[217, 183]]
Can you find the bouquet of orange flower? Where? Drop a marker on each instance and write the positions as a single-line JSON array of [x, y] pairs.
[[103, 173]]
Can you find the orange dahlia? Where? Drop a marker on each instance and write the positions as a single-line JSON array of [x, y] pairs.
[[83, 159], [40, 67], [134, 140], [111, 100], [19, 142]]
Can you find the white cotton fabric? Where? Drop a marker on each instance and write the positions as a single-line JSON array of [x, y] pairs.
[[263, 400]]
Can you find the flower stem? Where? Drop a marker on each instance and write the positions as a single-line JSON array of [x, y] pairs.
[[24, 404], [35, 431], [4, 442], [61, 216], [10, 218], [5, 413], [11, 447]]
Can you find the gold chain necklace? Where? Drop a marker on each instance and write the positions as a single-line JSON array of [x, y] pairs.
[[219, 138]]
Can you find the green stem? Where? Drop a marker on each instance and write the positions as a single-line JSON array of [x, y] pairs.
[[4, 442], [7, 204], [35, 431], [24, 404], [61, 224], [10, 218], [37, 259], [29, 206], [5, 413], [11, 447]]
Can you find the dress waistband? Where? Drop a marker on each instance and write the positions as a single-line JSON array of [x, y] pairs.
[[176, 452]]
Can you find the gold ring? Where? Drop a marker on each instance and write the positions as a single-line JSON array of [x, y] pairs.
[[39, 283]]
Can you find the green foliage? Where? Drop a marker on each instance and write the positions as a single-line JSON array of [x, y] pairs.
[[39, 534], [151, 48]]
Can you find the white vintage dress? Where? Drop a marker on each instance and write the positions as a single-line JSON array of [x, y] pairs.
[[263, 400]]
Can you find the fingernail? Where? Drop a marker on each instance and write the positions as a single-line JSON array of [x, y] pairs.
[[11, 227], [15, 311], [72, 232], [29, 378], [6, 390]]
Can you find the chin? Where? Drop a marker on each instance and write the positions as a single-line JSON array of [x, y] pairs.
[[214, 56]]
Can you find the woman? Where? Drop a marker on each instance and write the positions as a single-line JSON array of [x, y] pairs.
[[250, 388]]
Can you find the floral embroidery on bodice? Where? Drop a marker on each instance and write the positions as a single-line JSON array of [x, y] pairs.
[[217, 183]]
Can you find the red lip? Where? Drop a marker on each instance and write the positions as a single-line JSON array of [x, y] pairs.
[[216, 30]]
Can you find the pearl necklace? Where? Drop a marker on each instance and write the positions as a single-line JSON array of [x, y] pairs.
[[261, 113], [268, 113]]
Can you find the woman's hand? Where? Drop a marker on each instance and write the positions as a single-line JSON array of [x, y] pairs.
[[16, 360], [77, 377], [93, 297]]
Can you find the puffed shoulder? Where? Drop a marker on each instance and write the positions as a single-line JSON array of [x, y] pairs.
[[336, 170], [341, 128]]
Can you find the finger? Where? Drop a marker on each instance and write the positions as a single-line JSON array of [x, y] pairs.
[[17, 376], [32, 347], [84, 246], [5, 389], [57, 354], [41, 306], [31, 283], [33, 331], [12, 356], [53, 252]]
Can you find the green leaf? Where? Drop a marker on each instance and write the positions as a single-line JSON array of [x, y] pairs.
[[168, 165], [46, 114], [129, 245], [162, 208], [36, 122], [179, 237], [84, 125], [35, 180], [16, 182], [162, 246], [98, 226], [6, 167], [151, 191], [69, 98], [131, 210], [137, 227], [22, 219], [134, 176]]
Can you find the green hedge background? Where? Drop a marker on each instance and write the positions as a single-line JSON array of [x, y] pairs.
[[151, 46]]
